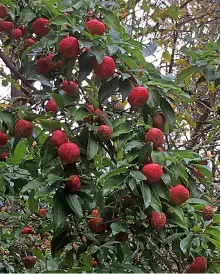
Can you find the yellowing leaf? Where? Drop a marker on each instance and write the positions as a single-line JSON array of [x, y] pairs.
[[166, 56]]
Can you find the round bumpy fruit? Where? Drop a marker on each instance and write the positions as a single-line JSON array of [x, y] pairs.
[[27, 230], [95, 212], [29, 262], [199, 265], [51, 106], [42, 65], [16, 34], [43, 211], [40, 26], [69, 152], [156, 136], [208, 213], [74, 184], [94, 264], [50, 63], [179, 194], [138, 97], [106, 68], [96, 225], [3, 156], [23, 30], [23, 129], [6, 26], [3, 139], [158, 220], [58, 138], [3, 11], [29, 42], [159, 120], [104, 132], [96, 27], [69, 87], [69, 47], [153, 172]]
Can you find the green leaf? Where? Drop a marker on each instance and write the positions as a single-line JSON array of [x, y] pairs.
[[107, 89], [157, 157], [146, 194], [121, 129], [112, 19], [166, 178], [205, 170], [44, 81], [85, 61], [98, 53], [216, 243], [185, 242], [197, 201], [50, 124], [48, 152], [214, 232], [50, 7], [92, 148], [87, 259], [138, 175], [32, 185], [173, 237], [73, 201], [8, 118], [112, 49], [187, 72], [168, 112], [19, 153], [145, 152], [27, 15], [112, 173], [61, 19], [80, 113], [29, 49], [127, 61], [125, 87], [38, 254], [58, 100], [117, 227], [133, 144], [155, 201]]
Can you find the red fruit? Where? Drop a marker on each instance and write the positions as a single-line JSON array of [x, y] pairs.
[[42, 66], [91, 107], [40, 26], [199, 265], [69, 152], [160, 149], [69, 87], [198, 173], [6, 26], [3, 138], [158, 220], [95, 264], [155, 136], [95, 212], [16, 34], [96, 225], [51, 106], [106, 68], [104, 132], [159, 120], [66, 13], [58, 138], [138, 96], [3, 156], [27, 230], [74, 184], [153, 172], [50, 63], [69, 47], [208, 213], [29, 42], [23, 128], [3, 11], [43, 211], [23, 29], [29, 261], [96, 27], [100, 116], [179, 194], [122, 236]]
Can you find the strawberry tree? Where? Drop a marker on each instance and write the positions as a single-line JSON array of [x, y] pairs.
[[88, 180]]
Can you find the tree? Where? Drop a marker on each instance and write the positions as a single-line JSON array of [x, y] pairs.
[[92, 177]]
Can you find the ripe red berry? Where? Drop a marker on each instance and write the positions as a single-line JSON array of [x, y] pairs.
[[23, 29], [104, 132], [29, 262], [69, 47], [27, 230], [58, 138], [43, 211], [29, 42], [23, 128], [69, 87], [16, 34], [41, 26], [96, 225], [198, 174], [3, 156], [69, 152], [101, 116], [42, 66], [106, 68], [122, 236], [159, 120], [95, 212], [155, 136], [138, 97], [199, 265], [153, 172], [158, 220], [3, 138], [50, 63], [96, 27], [51, 106], [179, 194], [74, 184], [95, 264], [208, 213], [3, 11], [160, 149], [6, 26]]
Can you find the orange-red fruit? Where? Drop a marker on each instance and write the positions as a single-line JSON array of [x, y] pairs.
[[156, 136], [198, 173], [23, 29], [199, 265], [69, 152], [208, 213], [3, 11], [159, 120], [96, 225], [6, 26], [29, 42], [95, 212], [3, 156], [41, 26], [74, 184], [51, 106], [138, 97], [122, 236], [29, 262], [106, 68], [104, 132], [95, 264], [58, 138], [27, 230], [69, 87], [179, 194], [3, 138], [96, 27], [43, 211], [153, 172], [69, 47], [23, 128], [16, 34], [158, 220]]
